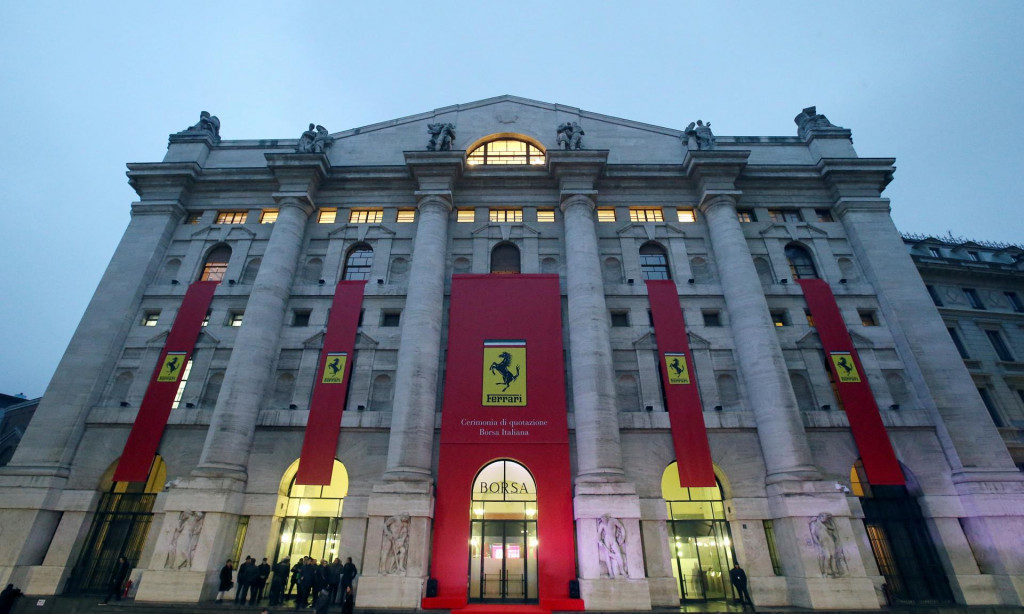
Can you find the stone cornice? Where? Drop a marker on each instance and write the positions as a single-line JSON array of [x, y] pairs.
[[846, 205], [436, 171], [163, 180], [715, 171], [298, 172], [856, 177], [159, 207], [577, 171]]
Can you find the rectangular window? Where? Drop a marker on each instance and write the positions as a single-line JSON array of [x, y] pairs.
[[810, 318], [932, 292], [206, 320], [235, 318], [231, 217], [784, 215], [620, 318], [986, 398], [406, 216], [746, 215], [268, 216], [390, 319], [773, 551], [646, 214], [935, 252], [365, 216], [606, 214], [712, 318], [779, 318], [823, 215], [498, 216], [996, 339], [214, 271], [327, 216], [1014, 300], [181, 384], [867, 317], [193, 218], [975, 256], [465, 215], [973, 298], [545, 215], [300, 317], [686, 216], [957, 342], [150, 317]]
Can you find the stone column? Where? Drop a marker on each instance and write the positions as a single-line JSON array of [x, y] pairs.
[[403, 503]]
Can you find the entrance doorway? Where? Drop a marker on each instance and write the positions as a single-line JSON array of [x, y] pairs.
[[699, 539], [503, 535], [312, 522]]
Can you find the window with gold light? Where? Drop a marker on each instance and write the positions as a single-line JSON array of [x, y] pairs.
[[506, 151]]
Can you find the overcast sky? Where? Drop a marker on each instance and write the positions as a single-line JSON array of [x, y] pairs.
[[86, 88]]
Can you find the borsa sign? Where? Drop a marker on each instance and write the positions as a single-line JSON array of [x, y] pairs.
[[505, 488]]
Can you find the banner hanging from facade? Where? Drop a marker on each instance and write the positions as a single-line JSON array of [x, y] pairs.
[[685, 410], [869, 432], [144, 438], [331, 388]]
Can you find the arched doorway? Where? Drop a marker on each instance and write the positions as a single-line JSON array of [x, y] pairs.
[[503, 535], [699, 539], [312, 516], [903, 549], [120, 527]]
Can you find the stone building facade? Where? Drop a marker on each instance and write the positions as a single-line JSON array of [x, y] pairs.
[[578, 369]]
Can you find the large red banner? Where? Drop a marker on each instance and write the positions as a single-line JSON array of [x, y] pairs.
[[163, 385], [869, 432], [679, 381], [331, 387]]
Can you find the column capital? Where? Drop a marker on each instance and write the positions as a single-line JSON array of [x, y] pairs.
[[434, 198], [300, 200], [162, 181], [579, 198], [436, 170], [577, 171], [856, 177], [716, 198], [298, 172]]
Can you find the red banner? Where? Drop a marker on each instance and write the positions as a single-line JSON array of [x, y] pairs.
[[869, 433], [156, 403], [331, 387], [685, 410]]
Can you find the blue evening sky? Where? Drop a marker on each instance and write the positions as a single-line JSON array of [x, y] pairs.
[[87, 87]]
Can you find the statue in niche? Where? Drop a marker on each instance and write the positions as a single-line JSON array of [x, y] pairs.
[[570, 135], [825, 537], [207, 124], [314, 140], [395, 546], [701, 134], [441, 137], [184, 540], [611, 546]]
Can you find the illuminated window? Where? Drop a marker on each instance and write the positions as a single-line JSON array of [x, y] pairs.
[[365, 216], [231, 217], [235, 318], [746, 215], [800, 263], [654, 262], [779, 318], [406, 216], [810, 318], [150, 317], [181, 384], [606, 214], [327, 216], [867, 317], [506, 215], [505, 151], [465, 215], [645, 214], [545, 215], [823, 215], [784, 215], [268, 216], [216, 264], [206, 319], [686, 216], [193, 218], [360, 259]]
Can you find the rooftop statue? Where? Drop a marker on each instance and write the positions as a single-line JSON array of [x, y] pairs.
[[314, 140], [809, 120], [701, 134], [207, 124], [441, 137], [570, 135]]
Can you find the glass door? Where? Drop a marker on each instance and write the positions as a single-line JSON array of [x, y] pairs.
[[503, 560]]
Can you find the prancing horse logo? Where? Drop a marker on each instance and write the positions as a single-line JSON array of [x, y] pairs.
[[502, 368]]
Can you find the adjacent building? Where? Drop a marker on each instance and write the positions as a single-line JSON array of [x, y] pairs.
[[516, 352]]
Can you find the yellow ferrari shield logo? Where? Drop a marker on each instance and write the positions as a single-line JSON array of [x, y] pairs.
[[334, 368], [504, 373], [170, 371], [675, 364], [844, 367]]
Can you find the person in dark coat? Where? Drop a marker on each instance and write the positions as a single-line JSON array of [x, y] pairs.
[[738, 577], [296, 576], [323, 601], [348, 600], [306, 581], [225, 581], [121, 569], [7, 598], [348, 576], [334, 578], [278, 582], [262, 573], [246, 575]]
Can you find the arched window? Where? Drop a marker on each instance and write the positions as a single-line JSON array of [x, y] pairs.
[[654, 262], [505, 258], [312, 270], [461, 265], [848, 270], [802, 390], [628, 392], [611, 271], [764, 271], [506, 151], [381, 393], [898, 389], [549, 265], [360, 259], [170, 271], [700, 270], [251, 269], [284, 388], [399, 270], [728, 391], [312, 516], [123, 383], [801, 265], [216, 263]]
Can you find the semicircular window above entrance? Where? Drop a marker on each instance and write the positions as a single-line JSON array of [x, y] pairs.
[[505, 151]]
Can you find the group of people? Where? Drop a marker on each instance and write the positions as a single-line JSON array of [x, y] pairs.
[[327, 583]]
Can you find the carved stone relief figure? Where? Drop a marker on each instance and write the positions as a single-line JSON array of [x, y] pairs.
[[314, 140], [441, 137], [395, 545], [207, 124], [701, 135], [825, 537], [611, 542], [184, 540], [570, 135]]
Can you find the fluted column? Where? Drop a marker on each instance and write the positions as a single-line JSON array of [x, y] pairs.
[[780, 429], [598, 450], [419, 352], [233, 425]]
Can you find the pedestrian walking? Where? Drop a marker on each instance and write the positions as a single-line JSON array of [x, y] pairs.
[[120, 574]]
